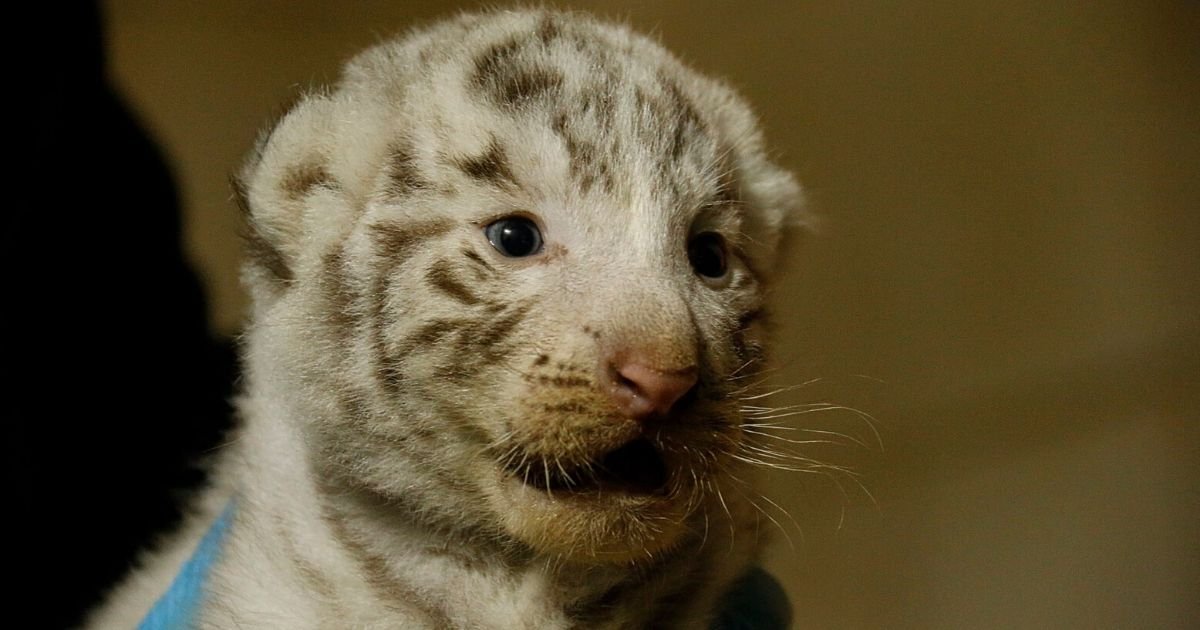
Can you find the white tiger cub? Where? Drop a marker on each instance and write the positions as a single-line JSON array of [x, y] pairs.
[[508, 280]]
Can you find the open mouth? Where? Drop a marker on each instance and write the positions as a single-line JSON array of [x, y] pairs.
[[636, 468]]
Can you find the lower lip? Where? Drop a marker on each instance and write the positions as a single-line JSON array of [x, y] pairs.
[[592, 494]]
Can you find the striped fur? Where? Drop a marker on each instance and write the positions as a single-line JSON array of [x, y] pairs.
[[407, 387]]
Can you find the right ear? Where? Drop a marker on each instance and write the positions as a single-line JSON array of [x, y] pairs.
[[285, 182]]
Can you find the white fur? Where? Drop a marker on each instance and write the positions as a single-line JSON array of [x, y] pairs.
[[456, 541]]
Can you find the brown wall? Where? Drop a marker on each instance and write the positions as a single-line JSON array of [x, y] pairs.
[[1007, 278]]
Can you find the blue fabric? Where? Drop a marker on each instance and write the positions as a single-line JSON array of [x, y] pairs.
[[177, 607]]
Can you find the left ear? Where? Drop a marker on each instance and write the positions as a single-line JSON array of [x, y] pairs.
[[771, 197], [775, 209]]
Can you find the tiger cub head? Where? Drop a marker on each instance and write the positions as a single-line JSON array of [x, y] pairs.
[[508, 276]]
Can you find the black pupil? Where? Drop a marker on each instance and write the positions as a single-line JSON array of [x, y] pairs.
[[707, 254], [514, 236]]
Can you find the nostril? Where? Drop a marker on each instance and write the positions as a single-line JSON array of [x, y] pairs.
[[628, 395], [625, 382], [644, 391]]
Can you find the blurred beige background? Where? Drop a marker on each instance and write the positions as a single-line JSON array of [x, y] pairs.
[[1007, 279]]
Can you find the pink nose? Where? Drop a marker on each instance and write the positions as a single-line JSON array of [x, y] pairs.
[[642, 391]]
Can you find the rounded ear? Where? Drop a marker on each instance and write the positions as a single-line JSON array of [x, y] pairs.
[[772, 199], [776, 210], [286, 183]]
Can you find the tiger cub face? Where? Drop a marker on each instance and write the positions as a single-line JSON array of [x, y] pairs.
[[508, 279]]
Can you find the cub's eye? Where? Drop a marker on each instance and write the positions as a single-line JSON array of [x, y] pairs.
[[514, 236], [707, 252]]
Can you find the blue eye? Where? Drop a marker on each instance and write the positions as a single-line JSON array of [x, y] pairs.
[[515, 236]]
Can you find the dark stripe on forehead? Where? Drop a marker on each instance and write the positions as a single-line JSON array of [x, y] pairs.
[[687, 123], [530, 83], [495, 61], [585, 167], [600, 101], [510, 81], [443, 278], [668, 121], [491, 167]]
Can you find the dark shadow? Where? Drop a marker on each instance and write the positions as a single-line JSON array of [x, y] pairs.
[[116, 386]]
